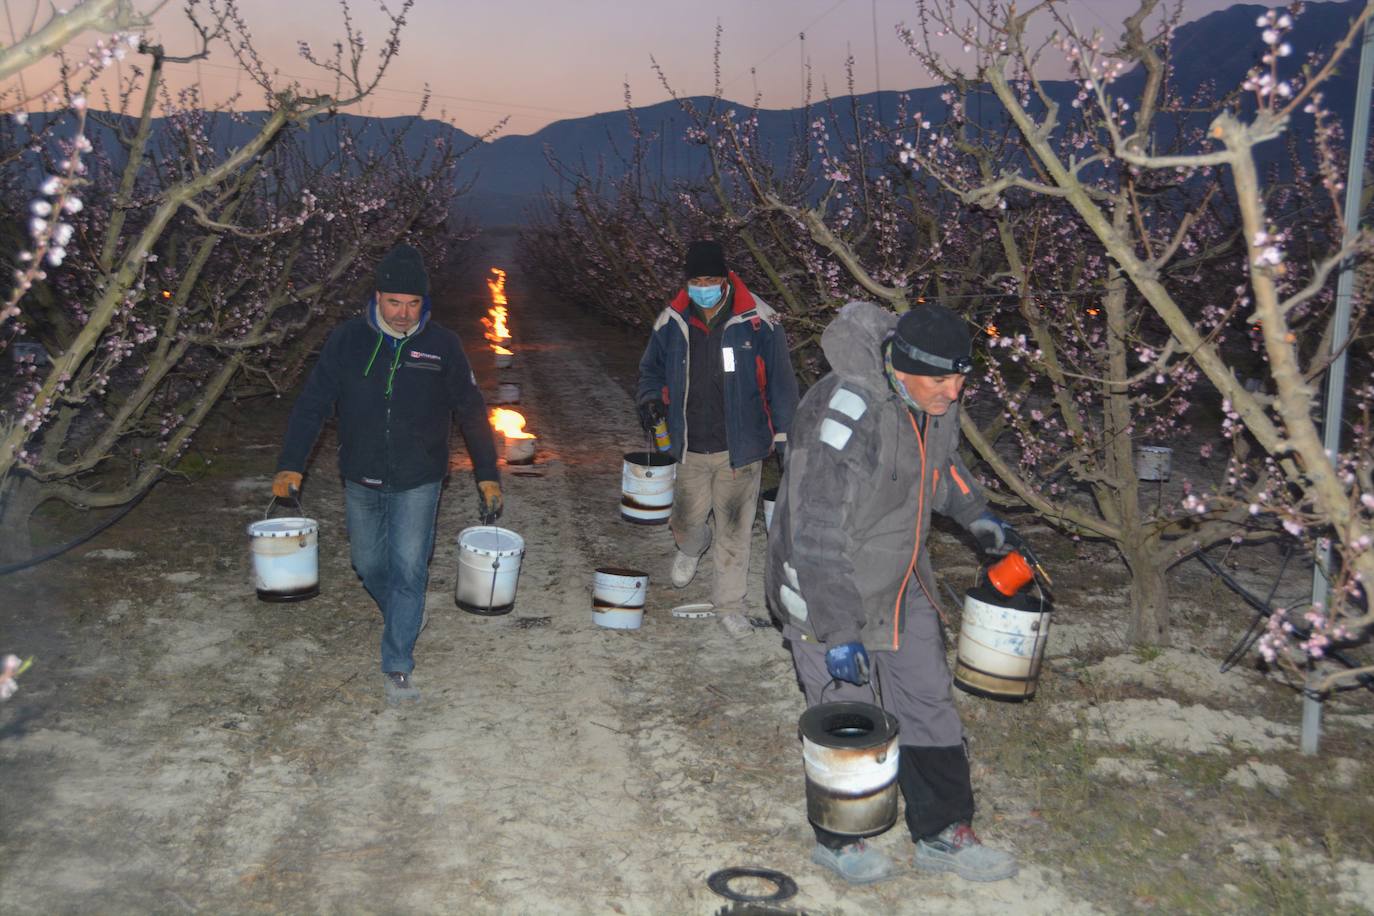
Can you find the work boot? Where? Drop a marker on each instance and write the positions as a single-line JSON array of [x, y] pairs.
[[737, 625], [958, 849], [400, 688], [857, 863], [684, 569]]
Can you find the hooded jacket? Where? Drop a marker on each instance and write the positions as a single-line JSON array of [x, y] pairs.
[[760, 386], [863, 475], [394, 399]]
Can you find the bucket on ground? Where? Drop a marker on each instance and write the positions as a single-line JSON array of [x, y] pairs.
[[520, 451], [618, 597], [770, 498], [488, 569], [1002, 642], [507, 393], [286, 558], [503, 358], [849, 751], [646, 487], [1153, 462]]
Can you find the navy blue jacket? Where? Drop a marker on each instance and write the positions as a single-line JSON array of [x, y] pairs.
[[760, 386], [394, 400]]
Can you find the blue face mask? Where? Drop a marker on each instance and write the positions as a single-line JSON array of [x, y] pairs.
[[705, 297]]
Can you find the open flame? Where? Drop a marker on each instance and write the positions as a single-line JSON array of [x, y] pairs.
[[501, 351], [496, 325], [510, 423]]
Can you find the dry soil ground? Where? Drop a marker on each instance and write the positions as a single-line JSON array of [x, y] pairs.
[[180, 746]]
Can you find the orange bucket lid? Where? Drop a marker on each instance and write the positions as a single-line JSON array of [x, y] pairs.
[[1010, 573]]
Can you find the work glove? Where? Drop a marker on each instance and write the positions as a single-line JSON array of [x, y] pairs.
[[848, 662], [489, 500], [994, 535], [286, 485], [650, 414]]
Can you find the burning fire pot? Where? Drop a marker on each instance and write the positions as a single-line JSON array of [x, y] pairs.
[[519, 447], [503, 357]]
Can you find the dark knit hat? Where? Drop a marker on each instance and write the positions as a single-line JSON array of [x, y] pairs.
[[403, 271], [931, 340], [706, 259]]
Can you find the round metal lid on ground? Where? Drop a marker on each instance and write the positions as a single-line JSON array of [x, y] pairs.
[[694, 611], [784, 887]]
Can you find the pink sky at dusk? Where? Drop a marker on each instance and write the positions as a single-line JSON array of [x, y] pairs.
[[539, 61]]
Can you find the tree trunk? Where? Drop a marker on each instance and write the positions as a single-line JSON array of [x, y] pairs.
[[1149, 598], [19, 497]]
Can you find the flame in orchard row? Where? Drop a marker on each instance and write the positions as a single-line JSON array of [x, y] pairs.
[[497, 330], [510, 423]]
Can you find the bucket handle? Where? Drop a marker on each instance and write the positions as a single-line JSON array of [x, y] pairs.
[[300, 507], [591, 590]]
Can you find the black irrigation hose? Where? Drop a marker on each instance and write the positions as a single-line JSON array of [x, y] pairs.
[[1263, 611], [60, 549]]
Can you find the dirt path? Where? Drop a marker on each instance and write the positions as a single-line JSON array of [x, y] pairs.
[[182, 746]]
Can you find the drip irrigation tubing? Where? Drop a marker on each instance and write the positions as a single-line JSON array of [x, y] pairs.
[[53, 552], [1264, 610]]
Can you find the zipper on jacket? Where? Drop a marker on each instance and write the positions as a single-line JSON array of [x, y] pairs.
[[916, 546]]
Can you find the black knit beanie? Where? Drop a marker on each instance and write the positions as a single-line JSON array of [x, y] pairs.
[[403, 271], [931, 340], [705, 259]]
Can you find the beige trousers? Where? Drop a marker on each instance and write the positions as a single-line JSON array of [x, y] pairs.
[[714, 506]]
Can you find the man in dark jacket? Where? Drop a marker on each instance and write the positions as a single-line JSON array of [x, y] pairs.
[[395, 378], [873, 452], [717, 368]]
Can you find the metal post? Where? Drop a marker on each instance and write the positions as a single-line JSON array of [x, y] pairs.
[[1335, 379]]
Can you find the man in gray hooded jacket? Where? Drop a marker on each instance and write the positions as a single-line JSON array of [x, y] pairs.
[[873, 453]]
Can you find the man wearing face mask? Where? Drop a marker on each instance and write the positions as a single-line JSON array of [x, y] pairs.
[[717, 368], [395, 379], [873, 452]]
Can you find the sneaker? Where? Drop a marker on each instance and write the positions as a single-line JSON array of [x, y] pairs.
[[737, 625], [958, 849], [400, 688], [857, 863], [684, 569]]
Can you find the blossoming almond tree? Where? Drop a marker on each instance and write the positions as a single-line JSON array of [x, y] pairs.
[[165, 271], [1278, 468]]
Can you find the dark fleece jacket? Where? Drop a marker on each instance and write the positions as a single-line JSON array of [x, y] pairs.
[[394, 400]]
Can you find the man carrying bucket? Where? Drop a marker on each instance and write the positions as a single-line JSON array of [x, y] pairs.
[[872, 453], [395, 378], [718, 370]]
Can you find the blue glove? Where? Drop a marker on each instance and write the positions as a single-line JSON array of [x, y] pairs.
[[848, 662], [994, 535]]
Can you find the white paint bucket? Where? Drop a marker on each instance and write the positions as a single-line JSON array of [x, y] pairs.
[[770, 498], [646, 488], [618, 597], [507, 393], [1001, 644], [850, 754], [286, 558], [488, 569], [520, 451], [503, 360], [1153, 462]]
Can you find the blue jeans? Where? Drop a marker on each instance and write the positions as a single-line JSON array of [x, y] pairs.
[[391, 537]]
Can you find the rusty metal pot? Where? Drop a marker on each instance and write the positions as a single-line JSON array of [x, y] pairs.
[[849, 750]]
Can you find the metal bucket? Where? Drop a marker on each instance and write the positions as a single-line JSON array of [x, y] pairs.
[[488, 569], [507, 393], [503, 360], [1153, 462], [850, 755], [286, 558], [618, 597], [646, 488], [520, 451], [1001, 644]]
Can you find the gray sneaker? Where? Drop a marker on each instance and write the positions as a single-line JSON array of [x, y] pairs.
[[684, 569], [857, 863], [958, 849], [400, 688]]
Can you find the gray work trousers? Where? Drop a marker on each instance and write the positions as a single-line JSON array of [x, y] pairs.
[[914, 680], [714, 506]]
